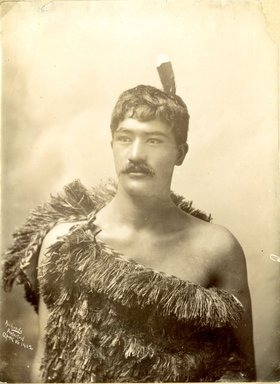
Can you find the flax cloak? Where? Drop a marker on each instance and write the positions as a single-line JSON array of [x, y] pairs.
[[114, 320]]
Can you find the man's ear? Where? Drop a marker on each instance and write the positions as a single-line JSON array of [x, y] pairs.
[[182, 151]]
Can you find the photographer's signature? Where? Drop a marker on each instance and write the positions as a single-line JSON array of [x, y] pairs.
[[15, 335]]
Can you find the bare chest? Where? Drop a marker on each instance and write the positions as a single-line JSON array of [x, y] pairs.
[[180, 257]]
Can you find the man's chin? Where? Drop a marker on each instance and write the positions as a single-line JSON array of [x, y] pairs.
[[137, 184]]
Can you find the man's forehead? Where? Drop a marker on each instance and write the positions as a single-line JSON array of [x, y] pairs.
[[150, 126]]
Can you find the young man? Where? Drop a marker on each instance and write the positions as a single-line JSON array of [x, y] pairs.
[[135, 285]]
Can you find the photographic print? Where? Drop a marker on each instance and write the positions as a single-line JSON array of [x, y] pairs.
[[140, 237]]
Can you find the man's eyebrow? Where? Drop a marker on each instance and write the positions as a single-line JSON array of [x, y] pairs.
[[156, 133], [152, 133], [123, 130]]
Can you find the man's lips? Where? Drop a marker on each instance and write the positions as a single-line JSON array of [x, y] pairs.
[[137, 170], [138, 173]]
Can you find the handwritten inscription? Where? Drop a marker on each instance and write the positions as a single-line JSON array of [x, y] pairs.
[[15, 335]]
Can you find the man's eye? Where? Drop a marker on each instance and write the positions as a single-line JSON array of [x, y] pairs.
[[152, 140], [123, 139]]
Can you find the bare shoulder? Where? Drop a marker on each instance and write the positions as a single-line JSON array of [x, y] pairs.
[[224, 245], [218, 239], [227, 266], [221, 252], [227, 260]]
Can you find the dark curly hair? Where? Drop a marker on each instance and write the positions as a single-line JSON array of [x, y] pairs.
[[146, 103]]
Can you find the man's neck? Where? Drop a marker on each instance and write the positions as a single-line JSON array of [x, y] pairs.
[[139, 211]]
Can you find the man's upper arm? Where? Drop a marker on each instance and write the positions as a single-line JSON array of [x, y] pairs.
[[43, 312], [51, 238], [231, 274]]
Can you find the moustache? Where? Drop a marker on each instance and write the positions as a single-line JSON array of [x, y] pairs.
[[137, 168]]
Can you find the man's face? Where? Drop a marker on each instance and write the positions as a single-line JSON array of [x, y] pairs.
[[145, 154]]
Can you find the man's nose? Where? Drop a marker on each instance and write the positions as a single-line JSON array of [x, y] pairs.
[[137, 151]]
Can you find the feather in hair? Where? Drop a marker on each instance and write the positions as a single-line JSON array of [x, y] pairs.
[[166, 74]]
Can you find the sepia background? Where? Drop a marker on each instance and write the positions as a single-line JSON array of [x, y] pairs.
[[64, 65]]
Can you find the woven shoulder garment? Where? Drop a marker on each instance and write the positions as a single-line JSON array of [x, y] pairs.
[[114, 320]]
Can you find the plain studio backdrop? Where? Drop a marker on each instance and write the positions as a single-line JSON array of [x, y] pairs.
[[64, 65]]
